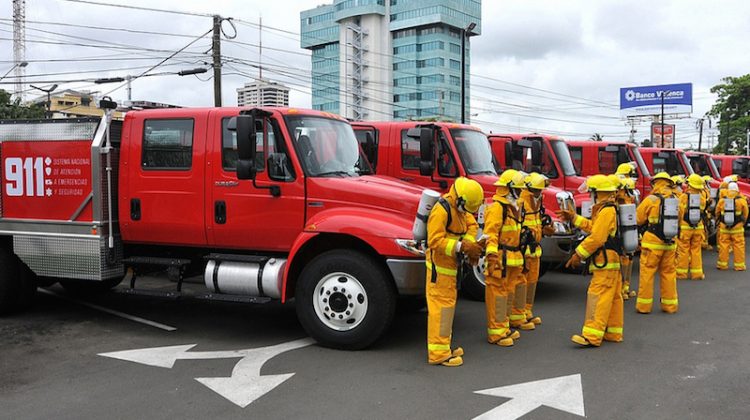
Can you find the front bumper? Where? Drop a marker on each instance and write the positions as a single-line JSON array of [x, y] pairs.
[[408, 275], [557, 248]]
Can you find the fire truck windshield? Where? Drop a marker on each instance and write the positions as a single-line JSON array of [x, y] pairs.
[[326, 147], [563, 157], [641, 164], [474, 151]]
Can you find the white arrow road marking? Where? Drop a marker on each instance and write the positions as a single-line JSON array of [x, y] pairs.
[[564, 393], [244, 386]]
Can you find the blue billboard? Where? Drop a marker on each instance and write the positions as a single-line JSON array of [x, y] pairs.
[[647, 100]]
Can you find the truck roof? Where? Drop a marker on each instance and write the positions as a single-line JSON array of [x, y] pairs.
[[444, 124], [519, 136], [206, 110]]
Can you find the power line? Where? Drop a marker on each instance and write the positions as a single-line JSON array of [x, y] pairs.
[[148, 9]]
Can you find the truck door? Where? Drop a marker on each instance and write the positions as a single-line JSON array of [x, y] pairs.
[[407, 167], [368, 139], [243, 216], [165, 177]]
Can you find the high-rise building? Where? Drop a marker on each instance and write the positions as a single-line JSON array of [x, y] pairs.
[[263, 93], [390, 59]]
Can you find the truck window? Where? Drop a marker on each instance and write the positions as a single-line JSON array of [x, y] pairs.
[[279, 165], [368, 141], [576, 154], [668, 164], [167, 144], [738, 166], [474, 151], [445, 163], [409, 151], [607, 161]]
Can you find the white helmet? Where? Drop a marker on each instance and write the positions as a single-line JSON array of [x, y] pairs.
[[733, 186]]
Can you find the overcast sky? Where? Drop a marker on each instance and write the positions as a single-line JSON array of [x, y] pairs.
[[538, 66]]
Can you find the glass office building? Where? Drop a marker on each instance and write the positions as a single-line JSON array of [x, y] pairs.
[[389, 59]]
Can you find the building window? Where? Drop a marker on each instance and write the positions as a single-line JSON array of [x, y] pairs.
[[455, 49], [455, 65], [167, 144]]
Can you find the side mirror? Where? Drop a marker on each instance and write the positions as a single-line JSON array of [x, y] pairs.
[[536, 153], [509, 154], [426, 151], [244, 125]]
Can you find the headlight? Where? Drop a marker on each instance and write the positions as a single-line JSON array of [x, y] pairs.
[[416, 248]]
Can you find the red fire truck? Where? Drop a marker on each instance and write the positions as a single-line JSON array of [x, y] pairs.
[[431, 155], [603, 157], [733, 165], [266, 203], [541, 153]]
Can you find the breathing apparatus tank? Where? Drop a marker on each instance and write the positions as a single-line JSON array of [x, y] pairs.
[[586, 207], [694, 209], [626, 220], [671, 215], [729, 216], [428, 199], [714, 194]]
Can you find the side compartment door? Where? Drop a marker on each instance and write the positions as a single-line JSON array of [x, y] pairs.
[[165, 198], [246, 216]]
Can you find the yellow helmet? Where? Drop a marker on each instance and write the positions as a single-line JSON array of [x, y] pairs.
[[601, 183], [626, 169], [536, 181], [696, 181], [628, 183], [506, 178], [706, 178], [616, 180], [661, 175], [470, 194], [678, 179], [519, 180], [730, 178]]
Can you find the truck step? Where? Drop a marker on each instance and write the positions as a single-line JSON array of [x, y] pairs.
[[147, 292], [258, 259], [233, 298], [167, 262]]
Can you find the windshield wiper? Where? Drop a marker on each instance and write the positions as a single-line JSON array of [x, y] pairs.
[[329, 173]]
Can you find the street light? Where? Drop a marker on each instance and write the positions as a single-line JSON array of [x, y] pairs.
[[663, 93], [48, 114], [21, 64], [129, 78], [466, 32]]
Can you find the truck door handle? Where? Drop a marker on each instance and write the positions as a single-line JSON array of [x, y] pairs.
[[135, 209], [220, 212]]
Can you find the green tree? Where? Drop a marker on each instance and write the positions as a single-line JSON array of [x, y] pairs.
[[733, 110], [596, 137], [13, 110]]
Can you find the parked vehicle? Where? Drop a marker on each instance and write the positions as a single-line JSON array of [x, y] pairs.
[[267, 203], [545, 154], [432, 155], [603, 157], [705, 164], [733, 165]]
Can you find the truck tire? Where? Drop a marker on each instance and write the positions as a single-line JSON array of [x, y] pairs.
[[472, 283], [10, 285], [89, 287], [27, 287], [345, 299]]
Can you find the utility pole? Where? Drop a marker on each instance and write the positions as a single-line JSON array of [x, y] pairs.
[[700, 133], [260, 48], [216, 50], [663, 93], [465, 33]]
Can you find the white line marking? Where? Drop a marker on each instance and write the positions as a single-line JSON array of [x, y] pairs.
[[109, 311], [564, 393]]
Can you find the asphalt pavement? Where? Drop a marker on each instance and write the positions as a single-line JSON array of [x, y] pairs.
[[65, 360]]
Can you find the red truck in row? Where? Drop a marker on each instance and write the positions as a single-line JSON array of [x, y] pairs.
[[603, 157], [432, 155], [265, 203]]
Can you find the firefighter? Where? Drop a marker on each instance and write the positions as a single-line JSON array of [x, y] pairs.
[[693, 208], [502, 225], [604, 306], [707, 217], [657, 246], [732, 228], [530, 204], [626, 194], [451, 233]]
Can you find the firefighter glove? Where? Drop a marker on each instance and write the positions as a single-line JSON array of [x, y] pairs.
[[548, 231], [574, 261], [566, 215], [472, 250]]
